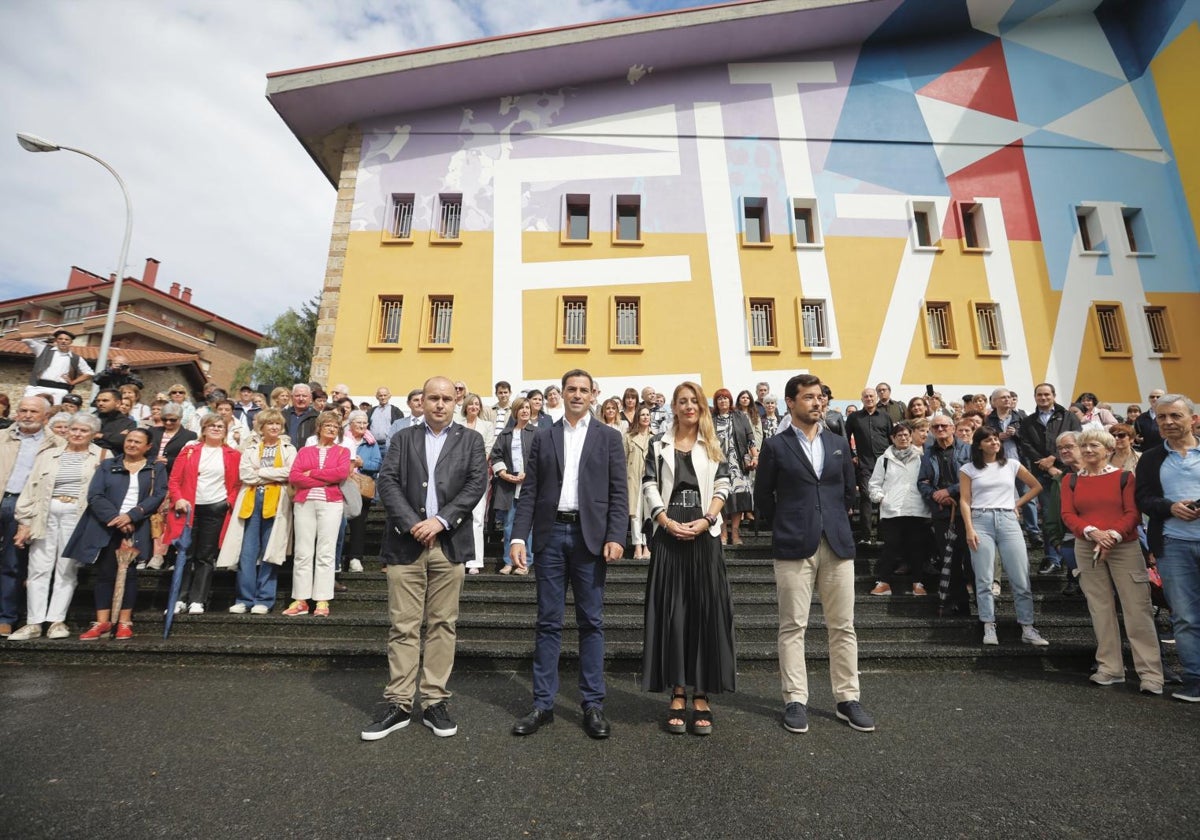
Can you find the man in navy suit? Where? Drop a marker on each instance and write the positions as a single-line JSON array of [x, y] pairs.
[[576, 502], [805, 485], [430, 481]]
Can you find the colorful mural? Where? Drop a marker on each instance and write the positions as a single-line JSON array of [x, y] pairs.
[[1061, 133]]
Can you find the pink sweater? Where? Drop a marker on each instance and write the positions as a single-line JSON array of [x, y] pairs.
[[335, 471]]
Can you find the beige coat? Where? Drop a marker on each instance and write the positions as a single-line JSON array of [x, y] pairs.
[[635, 466], [10, 446], [253, 473], [33, 505]]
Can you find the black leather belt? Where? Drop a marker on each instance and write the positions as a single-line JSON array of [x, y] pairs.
[[568, 516]]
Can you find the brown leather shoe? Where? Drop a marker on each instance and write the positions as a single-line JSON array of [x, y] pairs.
[[338, 586], [5, 630]]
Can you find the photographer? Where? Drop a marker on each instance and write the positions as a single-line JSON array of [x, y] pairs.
[[116, 374]]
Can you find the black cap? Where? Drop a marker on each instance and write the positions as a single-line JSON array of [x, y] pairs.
[[73, 399], [61, 331]]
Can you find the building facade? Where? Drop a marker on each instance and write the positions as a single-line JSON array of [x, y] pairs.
[[964, 193]]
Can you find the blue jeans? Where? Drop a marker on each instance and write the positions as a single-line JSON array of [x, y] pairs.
[[998, 530], [563, 558], [256, 581], [11, 560], [1179, 565], [508, 521], [1029, 513], [1063, 555]]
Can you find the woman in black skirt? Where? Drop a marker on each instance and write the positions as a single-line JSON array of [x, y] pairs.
[[689, 610]]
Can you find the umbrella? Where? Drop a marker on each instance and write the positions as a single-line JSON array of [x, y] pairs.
[[181, 557], [126, 554], [947, 562]]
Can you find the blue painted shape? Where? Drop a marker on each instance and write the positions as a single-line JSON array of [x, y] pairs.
[[1046, 88], [1138, 31], [935, 58], [1104, 263], [908, 164], [923, 19], [1021, 11], [1064, 177]]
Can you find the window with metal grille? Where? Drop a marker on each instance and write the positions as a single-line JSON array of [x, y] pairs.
[[400, 215], [762, 322], [939, 326], [989, 327], [574, 320], [578, 216], [390, 309], [754, 220], [629, 321], [449, 215], [1112, 332], [78, 311], [812, 323], [1161, 340], [441, 313], [9, 322], [628, 218]]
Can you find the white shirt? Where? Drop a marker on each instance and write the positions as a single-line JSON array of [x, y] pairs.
[[60, 363], [814, 449], [573, 438], [210, 480], [994, 486]]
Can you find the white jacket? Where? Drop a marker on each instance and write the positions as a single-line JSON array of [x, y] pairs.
[[893, 486], [33, 505], [713, 477], [253, 473]]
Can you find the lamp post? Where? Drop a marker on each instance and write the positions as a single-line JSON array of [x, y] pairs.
[[33, 143]]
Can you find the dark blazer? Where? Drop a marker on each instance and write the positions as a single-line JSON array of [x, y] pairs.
[[1037, 441], [402, 482], [173, 448], [603, 489], [394, 411], [801, 504], [105, 494], [1148, 494], [503, 491]]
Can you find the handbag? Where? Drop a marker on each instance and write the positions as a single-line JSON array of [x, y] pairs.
[[366, 484]]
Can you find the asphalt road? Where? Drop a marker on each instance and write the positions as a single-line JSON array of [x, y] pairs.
[[144, 751]]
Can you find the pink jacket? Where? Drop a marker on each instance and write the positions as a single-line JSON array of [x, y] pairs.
[[335, 471]]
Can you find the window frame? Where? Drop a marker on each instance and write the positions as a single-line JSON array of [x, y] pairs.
[[436, 229], [570, 200], [1172, 350], [614, 318], [923, 215], [427, 323], [374, 338], [762, 207], [976, 308], [620, 200], [972, 222], [1136, 231], [952, 333], [1125, 351], [560, 337], [390, 234], [1089, 230], [805, 347], [774, 346], [816, 239]]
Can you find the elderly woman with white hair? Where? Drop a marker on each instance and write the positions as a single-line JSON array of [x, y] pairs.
[[47, 511]]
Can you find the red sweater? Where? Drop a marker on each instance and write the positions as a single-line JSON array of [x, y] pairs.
[[1098, 502]]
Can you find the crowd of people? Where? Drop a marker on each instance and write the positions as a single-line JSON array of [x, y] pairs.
[[952, 492]]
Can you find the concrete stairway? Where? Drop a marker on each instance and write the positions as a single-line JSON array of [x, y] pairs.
[[495, 628]]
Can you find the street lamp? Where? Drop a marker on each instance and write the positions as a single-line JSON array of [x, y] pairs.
[[33, 143]]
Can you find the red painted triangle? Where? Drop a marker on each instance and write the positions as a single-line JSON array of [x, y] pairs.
[[1004, 175], [979, 83]]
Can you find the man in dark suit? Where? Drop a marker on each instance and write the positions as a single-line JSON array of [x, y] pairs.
[[431, 479], [576, 501], [805, 484]]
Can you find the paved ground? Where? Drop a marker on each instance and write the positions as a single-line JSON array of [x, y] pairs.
[[144, 751]]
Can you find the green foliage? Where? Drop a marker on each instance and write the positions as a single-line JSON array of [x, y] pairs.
[[290, 337]]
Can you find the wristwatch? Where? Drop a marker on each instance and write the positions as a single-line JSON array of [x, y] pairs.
[[711, 517]]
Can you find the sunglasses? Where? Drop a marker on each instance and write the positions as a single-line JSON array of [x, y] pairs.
[[178, 392], [1120, 435]]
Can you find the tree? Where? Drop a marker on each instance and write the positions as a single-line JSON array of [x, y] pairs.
[[285, 353]]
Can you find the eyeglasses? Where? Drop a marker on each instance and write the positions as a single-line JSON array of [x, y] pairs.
[[178, 392], [1120, 435]]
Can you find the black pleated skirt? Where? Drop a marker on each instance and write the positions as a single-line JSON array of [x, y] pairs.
[[689, 617]]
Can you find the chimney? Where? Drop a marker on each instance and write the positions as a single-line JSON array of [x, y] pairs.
[[150, 274], [174, 290], [186, 296]]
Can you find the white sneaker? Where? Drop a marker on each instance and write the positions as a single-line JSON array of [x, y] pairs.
[[995, 588], [356, 565], [238, 609], [1031, 636], [141, 565], [58, 630], [195, 608], [29, 631], [155, 563], [260, 609], [989, 634], [180, 606]]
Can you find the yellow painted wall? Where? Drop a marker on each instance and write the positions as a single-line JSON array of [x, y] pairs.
[[1179, 374], [1174, 71]]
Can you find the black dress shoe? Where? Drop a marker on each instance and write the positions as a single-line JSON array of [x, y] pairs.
[[595, 724], [533, 721]]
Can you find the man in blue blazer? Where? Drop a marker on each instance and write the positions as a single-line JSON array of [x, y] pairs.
[[430, 481], [805, 485], [575, 500]]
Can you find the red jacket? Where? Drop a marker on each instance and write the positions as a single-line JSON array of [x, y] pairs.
[[335, 471], [185, 475]]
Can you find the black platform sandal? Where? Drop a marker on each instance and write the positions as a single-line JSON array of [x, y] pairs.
[[699, 716], [679, 714]]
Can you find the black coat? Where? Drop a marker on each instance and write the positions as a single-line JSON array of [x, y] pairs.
[[105, 494], [173, 447], [504, 491], [1037, 441]]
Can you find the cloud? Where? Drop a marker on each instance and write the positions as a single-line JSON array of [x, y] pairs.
[[171, 94]]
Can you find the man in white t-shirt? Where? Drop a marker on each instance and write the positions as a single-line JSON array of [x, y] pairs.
[[56, 367]]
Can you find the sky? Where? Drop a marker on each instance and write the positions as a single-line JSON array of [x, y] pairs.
[[171, 93]]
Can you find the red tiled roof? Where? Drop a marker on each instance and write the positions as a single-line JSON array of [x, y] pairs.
[[137, 358]]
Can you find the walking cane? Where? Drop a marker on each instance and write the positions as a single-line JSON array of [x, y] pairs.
[[947, 562]]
